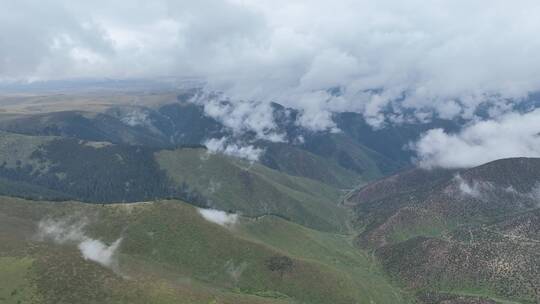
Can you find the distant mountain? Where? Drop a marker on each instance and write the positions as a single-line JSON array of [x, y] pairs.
[[90, 171], [166, 126], [468, 232], [99, 84], [390, 140], [360, 153]]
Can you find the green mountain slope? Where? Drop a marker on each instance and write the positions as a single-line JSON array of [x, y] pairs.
[[169, 253], [88, 171], [343, 159], [335, 251], [253, 189], [298, 162], [100, 172]]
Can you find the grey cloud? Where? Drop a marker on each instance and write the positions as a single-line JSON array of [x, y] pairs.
[[442, 57], [46, 39]]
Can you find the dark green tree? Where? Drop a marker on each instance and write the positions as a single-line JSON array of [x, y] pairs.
[[280, 264]]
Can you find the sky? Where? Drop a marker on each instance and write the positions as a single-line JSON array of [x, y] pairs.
[[439, 58]]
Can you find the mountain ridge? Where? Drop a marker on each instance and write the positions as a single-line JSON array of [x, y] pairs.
[[463, 231]]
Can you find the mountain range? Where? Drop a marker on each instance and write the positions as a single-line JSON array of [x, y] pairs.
[[121, 198]]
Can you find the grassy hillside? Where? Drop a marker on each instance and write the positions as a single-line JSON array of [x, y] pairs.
[[298, 162], [100, 172], [349, 154], [333, 250], [253, 189], [170, 254]]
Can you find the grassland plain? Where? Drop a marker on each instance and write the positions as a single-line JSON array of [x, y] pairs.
[[170, 254]]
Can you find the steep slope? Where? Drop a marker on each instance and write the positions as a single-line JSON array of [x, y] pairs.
[[295, 161], [390, 140], [469, 231], [89, 171], [350, 155], [486, 261], [169, 253], [253, 189], [99, 172]]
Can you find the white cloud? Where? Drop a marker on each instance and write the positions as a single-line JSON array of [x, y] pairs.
[[71, 230], [218, 217], [222, 145], [468, 190], [511, 135], [240, 116], [445, 56], [99, 252]]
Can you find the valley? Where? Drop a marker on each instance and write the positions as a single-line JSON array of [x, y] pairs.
[[466, 232]]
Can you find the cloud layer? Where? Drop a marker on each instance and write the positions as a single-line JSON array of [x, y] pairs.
[[511, 135], [444, 57]]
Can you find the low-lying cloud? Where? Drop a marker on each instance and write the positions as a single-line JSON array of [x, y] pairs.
[[218, 217], [225, 146], [71, 230], [99, 252], [389, 60], [475, 189], [511, 135], [489, 192], [61, 231], [240, 116]]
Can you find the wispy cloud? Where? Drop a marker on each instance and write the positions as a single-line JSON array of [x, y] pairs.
[[71, 230], [475, 189], [223, 145]]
